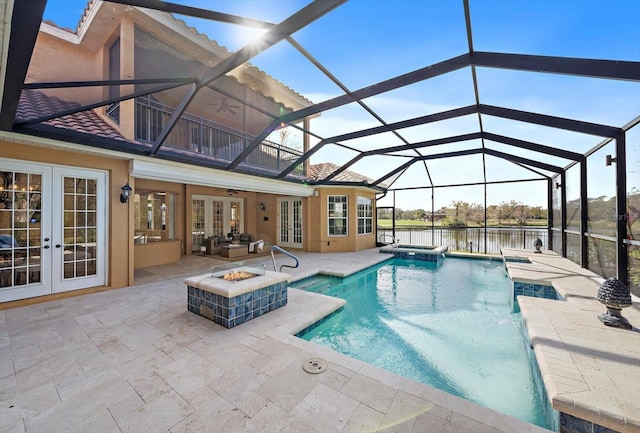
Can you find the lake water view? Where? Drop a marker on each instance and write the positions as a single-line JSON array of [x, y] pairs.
[[468, 239]]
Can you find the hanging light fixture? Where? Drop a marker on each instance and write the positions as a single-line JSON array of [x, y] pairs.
[[126, 193]]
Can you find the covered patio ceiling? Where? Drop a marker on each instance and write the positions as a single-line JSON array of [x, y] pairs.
[[498, 91]]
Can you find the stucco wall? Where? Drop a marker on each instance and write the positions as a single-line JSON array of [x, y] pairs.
[[320, 241], [80, 64], [267, 229]]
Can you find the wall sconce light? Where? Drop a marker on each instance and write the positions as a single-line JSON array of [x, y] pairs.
[[610, 159], [262, 207], [126, 193], [558, 185]]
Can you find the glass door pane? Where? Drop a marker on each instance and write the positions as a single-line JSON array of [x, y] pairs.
[[297, 222], [217, 219], [197, 224], [20, 228], [234, 221], [80, 206], [284, 222]]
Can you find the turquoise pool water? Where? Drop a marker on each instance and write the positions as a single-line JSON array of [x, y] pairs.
[[447, 325]]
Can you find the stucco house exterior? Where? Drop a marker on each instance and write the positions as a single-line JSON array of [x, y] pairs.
[[68, 222]]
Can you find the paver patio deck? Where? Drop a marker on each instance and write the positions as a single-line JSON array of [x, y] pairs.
[[135, 360]]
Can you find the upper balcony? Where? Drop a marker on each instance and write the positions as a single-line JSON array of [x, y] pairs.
[[203, 136]]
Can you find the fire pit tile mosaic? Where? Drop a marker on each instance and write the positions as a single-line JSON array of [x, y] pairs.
[[232, 311]]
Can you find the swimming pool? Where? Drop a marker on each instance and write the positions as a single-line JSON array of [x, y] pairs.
[[449, 325]]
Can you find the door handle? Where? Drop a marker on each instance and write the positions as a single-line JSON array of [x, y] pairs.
[[46, 239], [46, 247], [58, 245]]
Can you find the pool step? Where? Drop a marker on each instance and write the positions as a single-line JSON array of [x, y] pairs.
[[317, 284]]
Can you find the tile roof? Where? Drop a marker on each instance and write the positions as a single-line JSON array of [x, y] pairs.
[[34, 104], [322, 170]]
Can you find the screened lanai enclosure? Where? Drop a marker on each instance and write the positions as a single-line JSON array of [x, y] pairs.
[[431, 102]]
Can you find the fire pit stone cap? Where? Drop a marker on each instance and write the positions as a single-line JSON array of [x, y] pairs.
[[229, 289]]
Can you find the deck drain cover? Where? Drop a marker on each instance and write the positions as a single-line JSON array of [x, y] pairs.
[[315, 365]]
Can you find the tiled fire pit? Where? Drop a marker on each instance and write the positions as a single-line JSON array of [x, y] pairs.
[[235, 296]]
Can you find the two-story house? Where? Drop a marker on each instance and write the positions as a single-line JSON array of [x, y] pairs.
[[110, 167]]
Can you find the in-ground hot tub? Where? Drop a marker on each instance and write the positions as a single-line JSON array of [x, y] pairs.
[[235, 296], [416, 252]]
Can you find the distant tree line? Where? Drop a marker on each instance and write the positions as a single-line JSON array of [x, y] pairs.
[[462, 214]]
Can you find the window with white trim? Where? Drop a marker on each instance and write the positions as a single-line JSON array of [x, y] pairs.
[[365, 216], [337, 216]]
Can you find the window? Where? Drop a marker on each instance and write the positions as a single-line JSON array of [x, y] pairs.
[[365, 216], [154, 214], [338, 215]]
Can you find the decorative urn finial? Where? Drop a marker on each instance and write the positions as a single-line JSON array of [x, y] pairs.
[[538, 244], [615, 296]]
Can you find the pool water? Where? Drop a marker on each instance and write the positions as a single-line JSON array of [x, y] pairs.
[[449, 325]]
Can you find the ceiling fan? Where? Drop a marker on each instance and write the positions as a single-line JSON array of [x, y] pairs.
[[224, 106]]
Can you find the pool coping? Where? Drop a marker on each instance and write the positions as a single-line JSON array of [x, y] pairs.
[[459, 407], [575, 387], [289, 333], [584, 379]]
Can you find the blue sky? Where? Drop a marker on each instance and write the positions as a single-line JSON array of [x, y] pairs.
[[366, 41]]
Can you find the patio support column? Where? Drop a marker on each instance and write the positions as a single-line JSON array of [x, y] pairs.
[[485, 217], [622, 259], [306, 126], [393, 218], [563, 211], [18, 40], [584, 244], [127, 72], [550, 213], [433, 221]]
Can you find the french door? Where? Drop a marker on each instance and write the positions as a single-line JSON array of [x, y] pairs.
[[52, 229], [290, 222], [215, 216]]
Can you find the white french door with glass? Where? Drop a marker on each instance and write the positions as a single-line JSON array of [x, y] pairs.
[[290, 222], [52, 229], [215, 216]]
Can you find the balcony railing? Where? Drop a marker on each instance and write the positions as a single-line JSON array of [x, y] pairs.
[[200, 135]]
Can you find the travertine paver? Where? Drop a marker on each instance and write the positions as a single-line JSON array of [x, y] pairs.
[[134, 360], [590, 371]]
